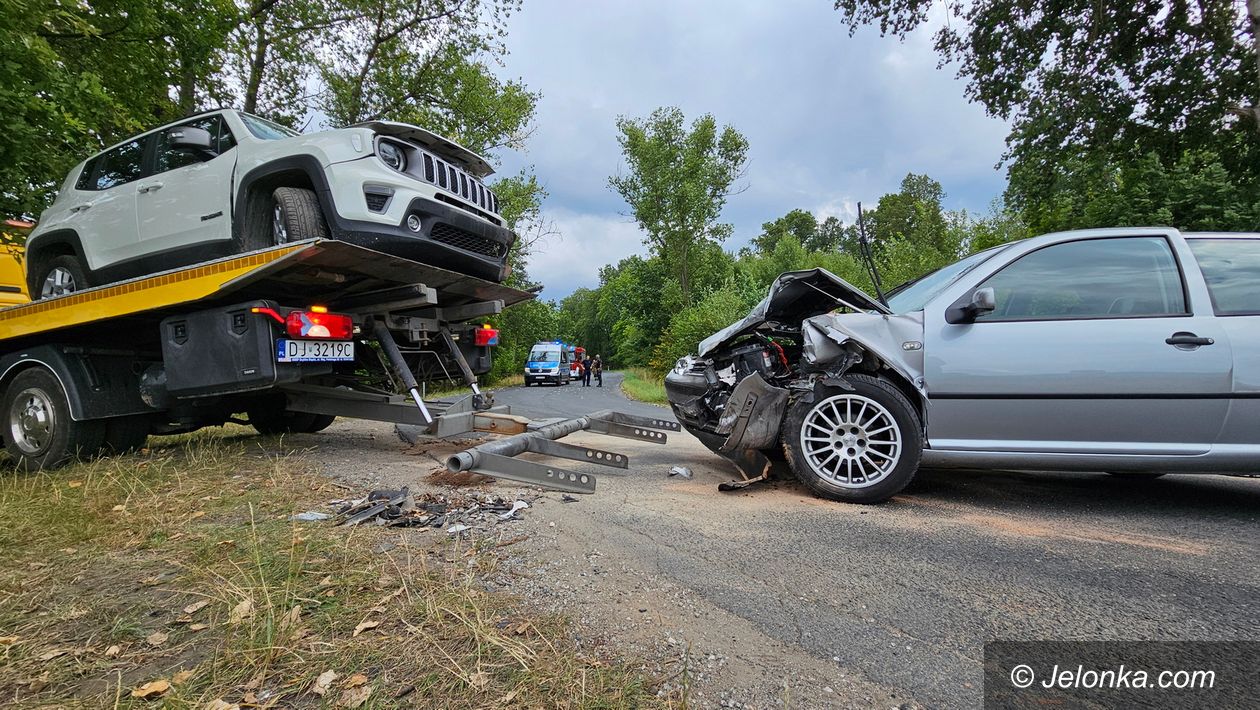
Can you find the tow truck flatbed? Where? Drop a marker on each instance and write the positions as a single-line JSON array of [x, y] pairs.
[[327, 272]]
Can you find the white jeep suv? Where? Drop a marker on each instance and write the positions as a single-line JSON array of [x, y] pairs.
[[226, 182]]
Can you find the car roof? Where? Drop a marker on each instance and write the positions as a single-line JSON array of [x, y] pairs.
[[1221, 235]]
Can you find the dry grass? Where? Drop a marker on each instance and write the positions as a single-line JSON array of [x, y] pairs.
[[180, 564], [442, 389]]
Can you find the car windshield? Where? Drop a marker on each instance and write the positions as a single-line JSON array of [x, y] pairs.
[[544, 355], [266, 130], [914, 295]]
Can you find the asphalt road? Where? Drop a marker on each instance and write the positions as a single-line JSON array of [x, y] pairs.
[[905, 594], [781, 598]]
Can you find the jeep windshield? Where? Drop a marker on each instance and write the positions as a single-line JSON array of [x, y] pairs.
[[913, 295], [264, 129]]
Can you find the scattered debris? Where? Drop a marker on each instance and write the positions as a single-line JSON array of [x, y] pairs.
[[680, 472], [241, 612], [311, 516], [566, 498], [196, 606], [157, 638], [454, 513], [518, 505], [366, 625]]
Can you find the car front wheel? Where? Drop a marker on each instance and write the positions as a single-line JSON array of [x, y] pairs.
[[58, 276], [295, 216], [858, 446]]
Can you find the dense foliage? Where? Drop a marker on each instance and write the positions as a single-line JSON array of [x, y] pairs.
[[1127, 113], [76, 77]]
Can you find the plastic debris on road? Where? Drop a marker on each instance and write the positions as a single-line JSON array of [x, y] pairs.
[[311, 516], [680, 472], [402, 508]]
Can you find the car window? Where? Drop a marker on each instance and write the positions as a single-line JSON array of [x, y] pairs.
[[544, 355], [914, 295], [1232, 270], [119, 166], [1095, 278], [89, 172], [221, 139], [266, 130]]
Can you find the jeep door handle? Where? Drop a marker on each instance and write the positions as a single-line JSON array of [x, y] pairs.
[[81, 208], [1183, 339], [151, 187]]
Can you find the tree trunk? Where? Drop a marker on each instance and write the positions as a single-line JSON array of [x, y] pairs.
[[187, 87], [256, 67], [1253, 14]]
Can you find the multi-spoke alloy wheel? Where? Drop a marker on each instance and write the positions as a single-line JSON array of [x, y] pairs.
[[851, 440], [859, 444]]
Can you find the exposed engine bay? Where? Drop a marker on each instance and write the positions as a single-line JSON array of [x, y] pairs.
[[811, 329]]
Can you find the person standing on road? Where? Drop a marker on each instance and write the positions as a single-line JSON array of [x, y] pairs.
[[598, 367], [586, 372]]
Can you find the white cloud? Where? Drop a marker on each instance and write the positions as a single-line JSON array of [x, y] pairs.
[[831, 119], [584, 244]]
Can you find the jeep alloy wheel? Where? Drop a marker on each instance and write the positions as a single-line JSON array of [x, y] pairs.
[[59, 282]]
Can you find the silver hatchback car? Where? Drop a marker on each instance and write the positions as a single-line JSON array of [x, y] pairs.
[[1129, 351]]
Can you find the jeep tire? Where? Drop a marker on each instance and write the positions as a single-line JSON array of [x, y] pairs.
[[296, 216], [57, 276]]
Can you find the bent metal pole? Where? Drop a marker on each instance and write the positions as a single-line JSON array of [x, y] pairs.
[[386, 339]]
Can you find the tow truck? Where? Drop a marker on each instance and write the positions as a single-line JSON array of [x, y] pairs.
[[292, 336]]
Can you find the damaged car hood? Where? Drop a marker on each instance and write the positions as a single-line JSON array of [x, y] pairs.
[[794, 297]]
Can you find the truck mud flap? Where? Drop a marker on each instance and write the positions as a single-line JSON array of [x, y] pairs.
[[495, 458]]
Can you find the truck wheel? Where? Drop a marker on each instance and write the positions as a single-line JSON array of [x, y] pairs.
[[126, 434], [39, 433], [58, 276], [319, 422], [295, 216], [859, 446]]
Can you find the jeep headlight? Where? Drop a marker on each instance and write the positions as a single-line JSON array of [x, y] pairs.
[[683, 365], [392, 155]]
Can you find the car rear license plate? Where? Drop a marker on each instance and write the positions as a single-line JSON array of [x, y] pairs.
[[314, 350]]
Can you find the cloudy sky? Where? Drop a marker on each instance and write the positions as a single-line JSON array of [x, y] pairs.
[[830, 119]]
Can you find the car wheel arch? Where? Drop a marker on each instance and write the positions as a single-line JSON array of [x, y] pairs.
[[49, 245], [251, 223]]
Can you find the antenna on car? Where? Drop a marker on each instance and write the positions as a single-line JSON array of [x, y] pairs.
[[870, 260]]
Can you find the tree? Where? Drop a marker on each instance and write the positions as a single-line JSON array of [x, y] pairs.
[[1090, 88], [678, 182], [797, 224]]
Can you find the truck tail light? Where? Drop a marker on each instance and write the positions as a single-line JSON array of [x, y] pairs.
[[318, 323], [483, 337]]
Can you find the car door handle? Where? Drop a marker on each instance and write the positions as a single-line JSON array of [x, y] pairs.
[[81, 208], [151, 187], [1182, 339]]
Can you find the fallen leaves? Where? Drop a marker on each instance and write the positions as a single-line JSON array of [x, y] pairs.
[[156, 639], [74, 484], [181, 677], [8, 640], [354, 697], [53, 653], [322, 683], [220, 704], [196, 606], [152, 689], [365, 625], [113, 651], [241, 612], [198, 627], [356, 680]]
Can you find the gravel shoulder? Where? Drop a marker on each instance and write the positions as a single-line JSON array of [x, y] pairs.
[[769, 597]]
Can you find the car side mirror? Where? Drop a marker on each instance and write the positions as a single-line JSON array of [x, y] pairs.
[[193, 140], [983, 300]]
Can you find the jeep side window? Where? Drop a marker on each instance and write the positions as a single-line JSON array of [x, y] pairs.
[[1127, 277], [220, 137], [119, 166]]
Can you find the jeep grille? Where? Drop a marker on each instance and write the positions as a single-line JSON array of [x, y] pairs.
[[467, 241], [446, 176]]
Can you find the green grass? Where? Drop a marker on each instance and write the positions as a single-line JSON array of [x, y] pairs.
[[100, 561], [644, 385]]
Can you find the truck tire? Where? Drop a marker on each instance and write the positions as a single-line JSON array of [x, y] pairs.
[[859, 446], [319, 422], [126, 434], [270, 417], [57, 276], [296, 216], [38, 431]]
